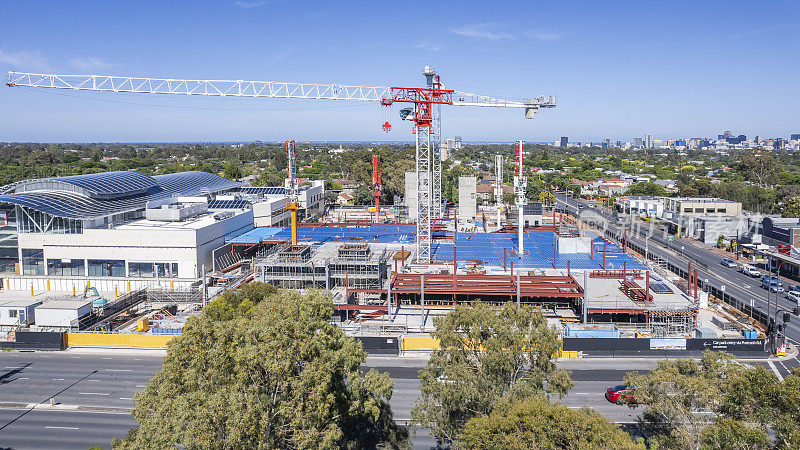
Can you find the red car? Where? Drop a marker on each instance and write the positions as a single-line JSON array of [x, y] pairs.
[[620, 394]]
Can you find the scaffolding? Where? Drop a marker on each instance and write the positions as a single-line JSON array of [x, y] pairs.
[[357, 266]]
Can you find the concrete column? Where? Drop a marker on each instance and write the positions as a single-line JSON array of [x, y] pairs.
[[205, 287], [422, 301], [585, 294], [518, 289]]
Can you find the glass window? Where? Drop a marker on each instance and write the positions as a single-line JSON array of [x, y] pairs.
[[12, 313], [141, 269], [66, 267], [106, 268], [687, 209], [32, 261], [167, 270], [722, 210]]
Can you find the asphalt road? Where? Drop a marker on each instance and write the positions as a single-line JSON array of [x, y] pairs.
[[93, 389], [708, 263]]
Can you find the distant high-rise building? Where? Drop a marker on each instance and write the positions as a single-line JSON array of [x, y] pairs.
[[720, 137], [757, 139], [779, 143], [637, 142], [648, 141], [619, 144], [726, 135], [795, 136], [457, 143], [606, 143], [564, 141]]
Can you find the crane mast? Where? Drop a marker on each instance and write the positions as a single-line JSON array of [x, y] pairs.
[[292, 187], [377, 187], [426, 116], [520, 186]]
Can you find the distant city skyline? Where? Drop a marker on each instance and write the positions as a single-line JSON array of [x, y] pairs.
[[618, 71]]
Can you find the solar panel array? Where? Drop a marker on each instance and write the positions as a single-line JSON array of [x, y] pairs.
[[63, 203], [228, 204], [118, 183], [660, 288], [263, 190], [486, 248]]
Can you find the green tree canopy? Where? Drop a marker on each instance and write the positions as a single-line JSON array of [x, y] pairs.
[[646, 188], [718, 403], [264, 368], [537, 424], [488, 355], [791, 208]]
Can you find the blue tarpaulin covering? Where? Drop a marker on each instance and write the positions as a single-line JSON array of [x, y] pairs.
[[487, 248]]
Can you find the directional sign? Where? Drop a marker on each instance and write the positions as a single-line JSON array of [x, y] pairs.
[[670, 238]]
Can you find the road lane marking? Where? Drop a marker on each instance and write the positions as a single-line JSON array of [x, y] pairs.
[[126, 398], [91, 393], [119, 370], [23, 378], [58, 379], [14, 367], [94, 381], [106, 358], [775, 370], [63, 428], [140, 385]]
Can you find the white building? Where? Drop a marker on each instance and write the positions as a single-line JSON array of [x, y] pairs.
[[644, 206], [118, 231], [18, 311], [62, 313]]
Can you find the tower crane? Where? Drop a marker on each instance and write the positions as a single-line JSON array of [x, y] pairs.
[[520, 186], [292, 187], [424, 113], [377, 187]]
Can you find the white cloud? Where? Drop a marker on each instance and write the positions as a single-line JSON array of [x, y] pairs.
[[432, 46], [250, 4], [89, 63], [482, 31], [22, 60], [541, 35]]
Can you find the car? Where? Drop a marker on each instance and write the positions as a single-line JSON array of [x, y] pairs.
[[620, 394], [794, 287], [772, 283], [794, 296], [750, 271], [727, 262], [772, 286]]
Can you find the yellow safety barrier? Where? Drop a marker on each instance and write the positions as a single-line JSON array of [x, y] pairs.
[[118, 340], [422, 343]]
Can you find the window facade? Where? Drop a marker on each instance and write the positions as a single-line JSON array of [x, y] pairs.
[[32, 261], [66, 267], [151, 270], [106, 268], [32, 221]]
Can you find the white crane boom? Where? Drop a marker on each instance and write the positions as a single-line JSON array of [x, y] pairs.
[[242, 88]]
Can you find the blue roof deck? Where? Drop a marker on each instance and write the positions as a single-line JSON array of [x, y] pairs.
[[487, 248]]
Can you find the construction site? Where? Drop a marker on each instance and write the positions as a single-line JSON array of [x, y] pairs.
[[391, 269]]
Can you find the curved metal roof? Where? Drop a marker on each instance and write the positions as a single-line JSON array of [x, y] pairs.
[[77, 205], [101, 185]]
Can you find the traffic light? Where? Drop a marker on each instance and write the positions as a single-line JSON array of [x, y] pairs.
[[786, 317], [796, 311]]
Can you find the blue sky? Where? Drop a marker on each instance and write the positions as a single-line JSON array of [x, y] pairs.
[[619, 69]]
